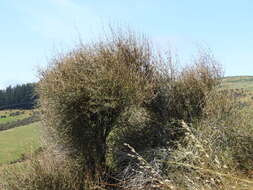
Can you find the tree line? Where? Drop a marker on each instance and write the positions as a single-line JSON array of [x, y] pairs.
[[18, 97]]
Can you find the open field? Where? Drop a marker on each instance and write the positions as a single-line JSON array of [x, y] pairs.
[[242, 86], [238, 82], [18, 141], [7, 116]]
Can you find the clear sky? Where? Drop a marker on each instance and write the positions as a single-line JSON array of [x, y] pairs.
[[32, 31]]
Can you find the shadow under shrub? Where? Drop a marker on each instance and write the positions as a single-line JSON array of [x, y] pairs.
[[144, 135]]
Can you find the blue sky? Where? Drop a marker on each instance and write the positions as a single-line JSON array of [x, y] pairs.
[[33, 31]]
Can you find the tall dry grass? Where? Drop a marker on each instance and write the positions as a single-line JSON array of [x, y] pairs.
[[215, 153]]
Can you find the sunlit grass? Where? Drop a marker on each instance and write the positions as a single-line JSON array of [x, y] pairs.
[[9, 118], [18, 141], [238, 82]]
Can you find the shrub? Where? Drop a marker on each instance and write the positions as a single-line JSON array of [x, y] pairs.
[[143, 133], [213, 154], [229, 126], [181, 129], [89, 94], [181, 94], [83, 93]]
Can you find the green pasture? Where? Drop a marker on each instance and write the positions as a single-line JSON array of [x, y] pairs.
[[17, 141], [7, 117], [238, 82]]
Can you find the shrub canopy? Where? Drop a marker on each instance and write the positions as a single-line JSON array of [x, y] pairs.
[[89, 92], [83, 93]]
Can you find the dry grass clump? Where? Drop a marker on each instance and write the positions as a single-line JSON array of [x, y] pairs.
[[215, 153], [49, 171], [229, 128]]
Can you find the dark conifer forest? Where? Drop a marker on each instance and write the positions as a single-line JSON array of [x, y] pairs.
[[18, 97]]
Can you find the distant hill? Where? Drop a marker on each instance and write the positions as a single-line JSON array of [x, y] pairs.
[[238, 82]]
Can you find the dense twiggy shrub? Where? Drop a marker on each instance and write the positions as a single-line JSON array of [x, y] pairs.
[[82, 94], [88, 94], [217, 148], [181, 94], [214, 152], [229, 126], [143, 135], [120, 105]]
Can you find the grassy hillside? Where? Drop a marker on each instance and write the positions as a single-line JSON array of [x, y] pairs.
[[17, 118], [7, 116], [18, 141], [242, 87], [238, 82]]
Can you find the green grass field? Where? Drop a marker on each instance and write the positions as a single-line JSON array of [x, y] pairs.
[[241, 84], [238, 82], [17, 141], [8, 117]]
